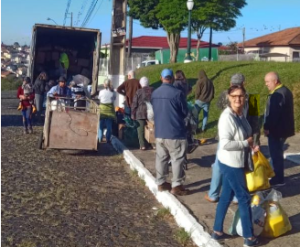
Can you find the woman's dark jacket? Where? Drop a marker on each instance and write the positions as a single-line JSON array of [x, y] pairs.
[[39, 86], [139, 107]]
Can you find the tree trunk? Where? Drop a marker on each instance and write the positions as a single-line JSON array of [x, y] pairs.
[[173, 41], [198, 45]]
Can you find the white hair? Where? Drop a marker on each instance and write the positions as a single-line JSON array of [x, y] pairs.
[[131, 73]]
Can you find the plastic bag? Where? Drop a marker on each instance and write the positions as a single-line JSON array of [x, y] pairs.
[[80, 79], [150, 113], [258, 221], [277, 222], [259, 178]]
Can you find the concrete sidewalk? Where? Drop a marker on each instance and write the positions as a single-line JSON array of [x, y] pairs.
[[198, 179]]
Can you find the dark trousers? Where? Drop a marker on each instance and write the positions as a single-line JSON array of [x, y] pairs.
[[277, 159], [141, 132], [234, 183]]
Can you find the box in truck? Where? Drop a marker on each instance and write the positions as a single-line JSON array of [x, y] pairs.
[[82, 46]]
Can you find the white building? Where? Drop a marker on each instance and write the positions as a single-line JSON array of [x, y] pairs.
[[279, 46]]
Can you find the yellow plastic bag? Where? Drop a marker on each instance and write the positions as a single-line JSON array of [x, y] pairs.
[[263, 160], [259, 178], [277, 222]]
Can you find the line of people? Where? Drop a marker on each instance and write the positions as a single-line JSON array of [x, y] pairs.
[[238, 134]]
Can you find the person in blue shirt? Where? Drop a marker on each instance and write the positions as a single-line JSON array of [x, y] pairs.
[[170, 109], [60, 90]]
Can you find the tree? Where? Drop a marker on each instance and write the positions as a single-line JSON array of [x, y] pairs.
[[220, 15], [171, 15]]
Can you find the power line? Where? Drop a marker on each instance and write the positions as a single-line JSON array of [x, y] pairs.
[[89, 13], [97, 10], [67, 11], [84, 3]]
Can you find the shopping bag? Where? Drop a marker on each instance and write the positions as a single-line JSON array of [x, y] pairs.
[[258, 179], [277, 222], [236, 218], [258, 221], [263, 161]]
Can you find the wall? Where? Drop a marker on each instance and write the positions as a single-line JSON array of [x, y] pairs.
[[278, 49], [163, 56]]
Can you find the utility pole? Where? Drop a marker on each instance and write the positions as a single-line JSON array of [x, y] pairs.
[[130, 37], [244, 39], [116, 68], [71, 19], [210, 43]]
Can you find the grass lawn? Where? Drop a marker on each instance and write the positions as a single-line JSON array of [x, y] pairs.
[[220, 73]]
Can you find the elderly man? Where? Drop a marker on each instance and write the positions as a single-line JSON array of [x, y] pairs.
[[170, 110], [216, 180], [278, 123], [128, 89]]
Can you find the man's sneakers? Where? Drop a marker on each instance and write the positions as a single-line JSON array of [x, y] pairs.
[[165, 186], [180, 191], [275, 183]]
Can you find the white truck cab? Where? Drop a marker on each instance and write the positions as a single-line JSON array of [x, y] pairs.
[[147, 63]]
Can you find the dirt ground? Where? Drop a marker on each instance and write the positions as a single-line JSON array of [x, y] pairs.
[[50, 198]]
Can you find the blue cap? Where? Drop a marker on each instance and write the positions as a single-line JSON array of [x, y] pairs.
[[166, 72]]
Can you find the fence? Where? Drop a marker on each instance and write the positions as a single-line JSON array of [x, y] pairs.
[[239, 57]]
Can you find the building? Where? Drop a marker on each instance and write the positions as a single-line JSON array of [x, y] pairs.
[[279, 46]]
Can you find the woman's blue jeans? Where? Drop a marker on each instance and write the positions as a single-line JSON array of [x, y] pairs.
[[205, 107], [234, 183], [105, 123], [26, 113]]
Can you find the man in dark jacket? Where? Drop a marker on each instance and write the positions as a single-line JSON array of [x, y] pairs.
[[278, 123], [170, 110], [204, 94], [128, 89]]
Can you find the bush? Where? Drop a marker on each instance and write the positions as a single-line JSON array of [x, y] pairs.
[[10, 83]]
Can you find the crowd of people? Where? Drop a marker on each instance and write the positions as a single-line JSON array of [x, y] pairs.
[[238, 130], [238, 135], [33, 96]]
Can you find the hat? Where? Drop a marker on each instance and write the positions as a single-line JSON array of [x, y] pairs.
[[61, 79], [144, 81], [27, 79], [237, 79], [166, 72]]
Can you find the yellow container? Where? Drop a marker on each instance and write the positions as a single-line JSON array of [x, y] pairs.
[[277, 222]]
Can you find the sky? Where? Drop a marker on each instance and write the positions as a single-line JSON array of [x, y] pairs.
[[259, 17]]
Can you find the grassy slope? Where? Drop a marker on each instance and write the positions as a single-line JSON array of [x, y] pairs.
[[220, 73]]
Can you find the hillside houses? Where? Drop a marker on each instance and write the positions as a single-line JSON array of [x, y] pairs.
[[14, 60]]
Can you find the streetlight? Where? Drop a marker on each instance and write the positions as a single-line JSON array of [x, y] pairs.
[[190, 5], [49, 19]]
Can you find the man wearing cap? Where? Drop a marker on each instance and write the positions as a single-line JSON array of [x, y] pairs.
[[60, 90], [216, 180], [128, 89], [170, 110], [278, 123]]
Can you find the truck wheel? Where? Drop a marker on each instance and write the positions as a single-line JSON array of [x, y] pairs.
[[41, 141]]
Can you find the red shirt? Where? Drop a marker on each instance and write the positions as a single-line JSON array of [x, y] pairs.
[[26, 102]]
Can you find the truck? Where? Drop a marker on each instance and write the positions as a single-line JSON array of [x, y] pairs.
[[80, 45]]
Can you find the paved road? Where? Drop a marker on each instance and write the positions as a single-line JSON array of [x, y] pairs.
[[50, 198]]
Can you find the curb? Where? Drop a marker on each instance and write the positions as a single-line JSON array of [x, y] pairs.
[[181, 214]]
